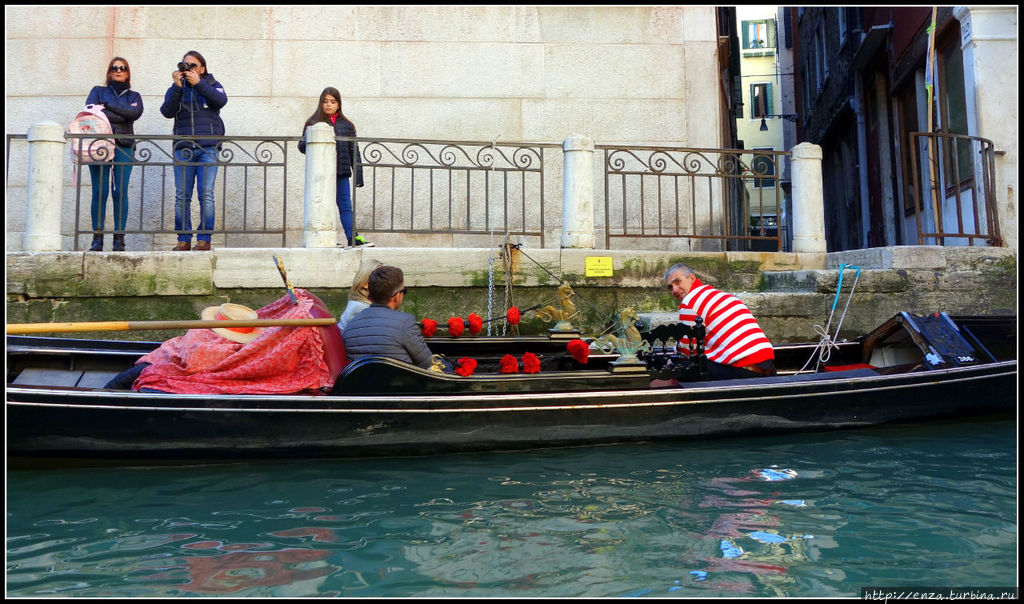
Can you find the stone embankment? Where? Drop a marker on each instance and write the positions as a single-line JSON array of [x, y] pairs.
[[788, 293]]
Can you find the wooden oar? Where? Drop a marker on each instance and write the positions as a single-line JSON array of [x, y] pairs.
[[28, 328]]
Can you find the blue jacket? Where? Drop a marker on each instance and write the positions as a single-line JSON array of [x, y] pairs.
[[381, 331], [346, 151], [121, 109], [196, 110]]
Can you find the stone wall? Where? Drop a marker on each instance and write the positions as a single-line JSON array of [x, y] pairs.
[[788, 293]]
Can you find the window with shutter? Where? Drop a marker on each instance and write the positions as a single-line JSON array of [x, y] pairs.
[[759, 36], [760, 100]]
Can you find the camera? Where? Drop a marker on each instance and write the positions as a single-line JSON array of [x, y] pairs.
[[183, 67]]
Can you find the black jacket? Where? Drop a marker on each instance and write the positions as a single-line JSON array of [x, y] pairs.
[[121, 109], [196, 110], [346, 151]]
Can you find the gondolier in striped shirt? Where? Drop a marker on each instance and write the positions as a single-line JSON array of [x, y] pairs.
[[735, 345]]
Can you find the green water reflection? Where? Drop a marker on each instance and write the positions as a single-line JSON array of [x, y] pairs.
[[808, 515]]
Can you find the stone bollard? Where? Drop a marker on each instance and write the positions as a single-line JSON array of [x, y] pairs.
[[808, 200], [45, 187], [578, 193], [320, 207]]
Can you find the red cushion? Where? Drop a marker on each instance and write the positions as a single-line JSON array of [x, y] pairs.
[[334, 345], [849, 367]]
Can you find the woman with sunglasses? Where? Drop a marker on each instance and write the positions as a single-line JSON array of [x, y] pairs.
[[328, 111], [122, 106], [194, 101]]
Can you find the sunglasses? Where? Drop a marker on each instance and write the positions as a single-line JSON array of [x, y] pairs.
[[402, 291], [119, 68]]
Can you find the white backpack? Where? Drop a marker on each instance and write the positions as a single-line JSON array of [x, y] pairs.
[[90, 120]]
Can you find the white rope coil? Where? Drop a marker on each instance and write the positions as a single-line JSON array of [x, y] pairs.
[[827, 343]]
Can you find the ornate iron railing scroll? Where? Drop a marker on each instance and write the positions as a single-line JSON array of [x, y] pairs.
[[451, 187]]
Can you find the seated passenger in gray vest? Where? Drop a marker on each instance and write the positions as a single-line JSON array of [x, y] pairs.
[[383, 330]]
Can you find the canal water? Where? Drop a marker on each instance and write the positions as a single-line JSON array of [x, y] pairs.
[[776, 515]]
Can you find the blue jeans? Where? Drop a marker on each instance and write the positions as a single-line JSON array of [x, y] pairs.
[[204, 178], [101, 185], [344, 200]]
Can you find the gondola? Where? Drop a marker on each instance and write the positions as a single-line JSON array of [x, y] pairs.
[[912, 368]]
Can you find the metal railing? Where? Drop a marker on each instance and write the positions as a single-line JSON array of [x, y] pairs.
[[7, 166], [451, 187], [724, 195], [426, 187], [411, 186], [952, 175], [251, 198]]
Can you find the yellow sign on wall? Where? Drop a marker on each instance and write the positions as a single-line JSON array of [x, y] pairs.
[[599, 266]]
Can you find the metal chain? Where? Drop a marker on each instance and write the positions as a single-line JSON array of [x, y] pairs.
[[490, 292]]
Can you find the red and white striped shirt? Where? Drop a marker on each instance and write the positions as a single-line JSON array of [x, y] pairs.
[[733, 336]]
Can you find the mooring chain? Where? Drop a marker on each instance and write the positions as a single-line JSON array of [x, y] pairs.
[[508, 265], [490, 293]]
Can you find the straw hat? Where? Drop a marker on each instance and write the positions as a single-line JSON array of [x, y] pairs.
[[235, 312]]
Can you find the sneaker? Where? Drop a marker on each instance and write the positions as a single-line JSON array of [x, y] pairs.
[[360, 240]]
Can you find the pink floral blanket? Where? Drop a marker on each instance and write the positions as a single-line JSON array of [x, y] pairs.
[[281, 360]]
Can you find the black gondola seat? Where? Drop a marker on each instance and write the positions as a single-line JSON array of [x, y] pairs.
[[382, 375]]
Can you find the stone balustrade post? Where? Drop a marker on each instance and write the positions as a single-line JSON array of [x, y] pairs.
[[320, 210], [45, 188], [578, 193], [808, 200]]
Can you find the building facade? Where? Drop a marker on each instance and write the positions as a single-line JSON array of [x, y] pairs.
[[636, 75], [765, 120], [918, 131]]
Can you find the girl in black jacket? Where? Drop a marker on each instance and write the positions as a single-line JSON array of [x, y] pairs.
[[122, 106], [328, 111]]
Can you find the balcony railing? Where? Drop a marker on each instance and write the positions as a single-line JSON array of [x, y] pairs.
[[952, 188]]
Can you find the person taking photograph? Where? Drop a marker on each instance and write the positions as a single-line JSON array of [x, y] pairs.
[[194, 101]]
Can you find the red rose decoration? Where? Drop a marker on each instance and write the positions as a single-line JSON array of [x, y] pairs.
[[513, 316], [466, 367], [509, 364], [476, 323], [456, 326], [429, 327], [531, 364], [579, 350]]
